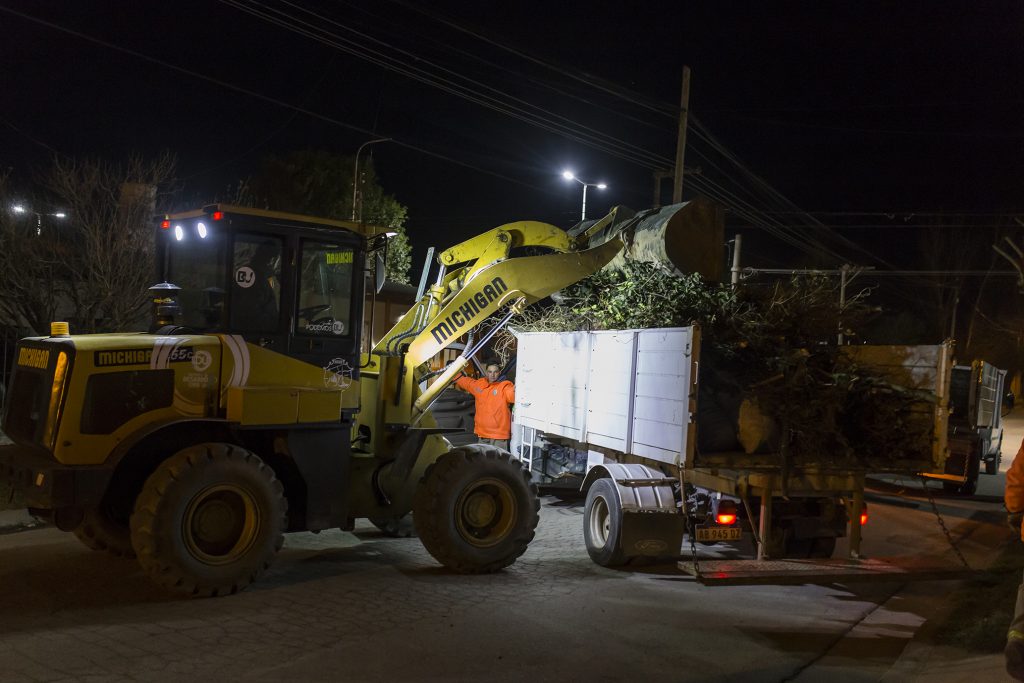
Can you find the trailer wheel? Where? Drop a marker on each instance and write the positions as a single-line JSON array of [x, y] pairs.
[[100, 531], [823, 546], [209, 520], [475, 510], [602, 523]]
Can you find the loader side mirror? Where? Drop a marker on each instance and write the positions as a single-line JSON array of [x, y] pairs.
[[380, 272]]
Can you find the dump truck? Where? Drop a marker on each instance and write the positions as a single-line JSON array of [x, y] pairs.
[[247, 410], [660, 467], [975, 426]]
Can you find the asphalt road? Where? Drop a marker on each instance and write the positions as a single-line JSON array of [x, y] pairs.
[[362, 607]]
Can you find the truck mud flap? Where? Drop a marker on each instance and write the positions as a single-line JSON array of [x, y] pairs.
[[823, 571], [652, 524]]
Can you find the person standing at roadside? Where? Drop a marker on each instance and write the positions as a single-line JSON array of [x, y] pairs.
[[492, 422], [1014, 500]]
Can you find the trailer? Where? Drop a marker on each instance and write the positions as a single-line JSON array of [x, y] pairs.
[[631, 400]]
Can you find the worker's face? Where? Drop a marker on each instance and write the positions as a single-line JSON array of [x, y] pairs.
[[492, 373]]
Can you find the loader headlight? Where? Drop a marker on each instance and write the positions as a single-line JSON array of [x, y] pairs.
[[56, 396]]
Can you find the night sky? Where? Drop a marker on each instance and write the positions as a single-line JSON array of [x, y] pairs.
[[852, 110]]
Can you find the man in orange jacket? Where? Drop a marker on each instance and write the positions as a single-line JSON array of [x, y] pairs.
[[493, 419], [1014, 499]]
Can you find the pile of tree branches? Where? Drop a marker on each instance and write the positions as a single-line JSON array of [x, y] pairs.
[[771, 346]]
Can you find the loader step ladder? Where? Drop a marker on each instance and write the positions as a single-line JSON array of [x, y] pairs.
[[824, 571]]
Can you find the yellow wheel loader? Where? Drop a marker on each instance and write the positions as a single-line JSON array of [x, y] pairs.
[[248, 411]]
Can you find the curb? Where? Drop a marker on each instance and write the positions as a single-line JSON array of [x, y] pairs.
[[13, 521]]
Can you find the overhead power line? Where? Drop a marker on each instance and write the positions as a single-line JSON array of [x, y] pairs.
[[260, 96]]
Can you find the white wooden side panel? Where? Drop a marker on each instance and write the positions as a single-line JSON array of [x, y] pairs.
[[533, 397], [625, 390], [608, 400], [662, 394]]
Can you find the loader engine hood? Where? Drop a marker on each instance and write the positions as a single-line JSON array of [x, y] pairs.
[[78, 396]]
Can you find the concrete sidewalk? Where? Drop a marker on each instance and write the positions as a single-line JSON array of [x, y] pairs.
[[923, 661], [12, 521]]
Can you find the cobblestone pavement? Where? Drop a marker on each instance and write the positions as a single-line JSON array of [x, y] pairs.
[[339, 606]]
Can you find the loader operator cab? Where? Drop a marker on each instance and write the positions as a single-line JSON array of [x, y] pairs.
[[288, 283]]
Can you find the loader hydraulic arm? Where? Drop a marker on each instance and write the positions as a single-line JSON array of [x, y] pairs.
[[479, 277]]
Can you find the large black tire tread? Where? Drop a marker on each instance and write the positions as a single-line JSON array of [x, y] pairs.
[[437, 498], [603, 509], [823, 547], [98, 531], [158, 529]]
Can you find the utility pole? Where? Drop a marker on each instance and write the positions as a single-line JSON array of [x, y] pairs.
[[355, 180], [843, 272], [956, 305], [737, 242], [658, 177], [684, 109]]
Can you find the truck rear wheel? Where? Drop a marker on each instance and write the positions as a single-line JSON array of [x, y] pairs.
[[209, 520], [602, 523], [100, 531], [475, 510]]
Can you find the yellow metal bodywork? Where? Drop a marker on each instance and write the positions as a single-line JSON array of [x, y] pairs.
[[222, 377], [215, 376], [483, 278]]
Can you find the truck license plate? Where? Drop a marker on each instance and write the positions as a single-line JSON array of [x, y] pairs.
[[719, 533]]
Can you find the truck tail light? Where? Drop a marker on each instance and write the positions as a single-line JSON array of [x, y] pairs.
[[726, 515]]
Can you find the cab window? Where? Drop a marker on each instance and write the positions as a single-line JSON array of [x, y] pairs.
[[325, 290], [256, 283]]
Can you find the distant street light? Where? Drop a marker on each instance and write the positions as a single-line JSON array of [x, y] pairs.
[[20, 208], [355, 177], [569, 175]]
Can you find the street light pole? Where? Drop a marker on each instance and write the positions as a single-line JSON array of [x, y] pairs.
[[355, 175], [569, 175]]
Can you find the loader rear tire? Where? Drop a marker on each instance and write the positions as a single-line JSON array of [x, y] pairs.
[[602, 524], [100, 531], [209, 520], [475, 510]]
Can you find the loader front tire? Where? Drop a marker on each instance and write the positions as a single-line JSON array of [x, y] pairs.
[[100, 531], [209, 520], [475, 510]]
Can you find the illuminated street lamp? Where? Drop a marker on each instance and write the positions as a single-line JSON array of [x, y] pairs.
[[569, 175], [355, 176], [20, 208]]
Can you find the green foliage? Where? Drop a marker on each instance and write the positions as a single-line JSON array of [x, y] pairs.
[[319, 183], [771, 344]]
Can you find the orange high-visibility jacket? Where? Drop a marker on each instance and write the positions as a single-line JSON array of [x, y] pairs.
[[1014, 495], [493, 419]]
